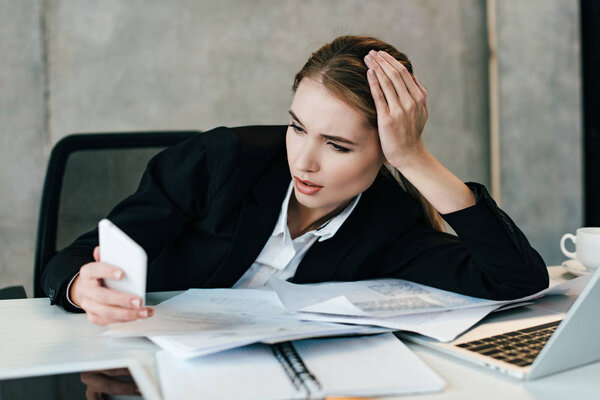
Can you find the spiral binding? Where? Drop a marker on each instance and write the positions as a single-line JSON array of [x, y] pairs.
[[295, 369]]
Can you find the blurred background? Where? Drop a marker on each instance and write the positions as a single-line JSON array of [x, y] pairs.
[[504, 81]]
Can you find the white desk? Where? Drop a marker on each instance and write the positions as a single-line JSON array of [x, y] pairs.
[[34, 335]]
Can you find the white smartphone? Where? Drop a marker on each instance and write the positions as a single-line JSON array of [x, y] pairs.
[[118, 249]]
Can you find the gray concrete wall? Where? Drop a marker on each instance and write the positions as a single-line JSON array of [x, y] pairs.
[[22, 137], [189, 64], [540, 119], [134, 65]]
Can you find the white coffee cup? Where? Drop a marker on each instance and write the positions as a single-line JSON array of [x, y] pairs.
[[587, 247]]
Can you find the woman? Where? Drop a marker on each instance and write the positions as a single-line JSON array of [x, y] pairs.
[[347, 191]]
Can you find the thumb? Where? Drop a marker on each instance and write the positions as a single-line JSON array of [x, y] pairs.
[[97, 253]]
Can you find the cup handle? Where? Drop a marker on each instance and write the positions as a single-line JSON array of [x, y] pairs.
[[562, 244]]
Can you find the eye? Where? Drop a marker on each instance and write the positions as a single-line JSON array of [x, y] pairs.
[[339, 148], [296, 128]]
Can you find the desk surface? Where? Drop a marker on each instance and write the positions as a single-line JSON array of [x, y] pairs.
[[35, 335]]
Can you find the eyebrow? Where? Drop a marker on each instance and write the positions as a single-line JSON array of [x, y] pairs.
[[329, 137]]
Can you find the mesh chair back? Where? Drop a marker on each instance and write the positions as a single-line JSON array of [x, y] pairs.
[[87, 175]]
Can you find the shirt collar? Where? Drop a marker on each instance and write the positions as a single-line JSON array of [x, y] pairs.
[[325, 231]]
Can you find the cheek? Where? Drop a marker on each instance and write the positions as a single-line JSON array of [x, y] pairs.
[[289, 145], [353, 175]]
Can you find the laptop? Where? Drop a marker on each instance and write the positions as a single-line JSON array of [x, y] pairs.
[[535, 340]]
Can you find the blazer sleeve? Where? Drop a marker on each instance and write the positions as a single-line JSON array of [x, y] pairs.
[[491, 258], [176, 187]]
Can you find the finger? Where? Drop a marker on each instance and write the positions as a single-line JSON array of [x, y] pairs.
[[378, 96], [110, 314], [103, 315], [405, 99], [393, 73], [96, 253], [406, 77], [115, 372], [418, 82], [107, 385], [102, 320], [92, 394], [391, 97], [112, 297], [100, 270], [424, 91], [98, 320]]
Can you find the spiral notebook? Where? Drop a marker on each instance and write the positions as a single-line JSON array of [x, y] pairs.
[[379, 365]]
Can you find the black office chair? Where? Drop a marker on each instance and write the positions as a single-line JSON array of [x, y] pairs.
[[87, 175], [13, 292]]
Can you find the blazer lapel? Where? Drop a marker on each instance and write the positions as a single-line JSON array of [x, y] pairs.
[[374, 218], [259, 212], [323, 259]]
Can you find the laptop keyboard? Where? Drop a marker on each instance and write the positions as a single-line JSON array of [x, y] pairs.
[[519, 347]]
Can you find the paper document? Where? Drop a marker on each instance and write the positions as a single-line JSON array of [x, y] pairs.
[[374, 298], [444, 326], [384, 298], [203, 321], [203, 343], [201, 310]]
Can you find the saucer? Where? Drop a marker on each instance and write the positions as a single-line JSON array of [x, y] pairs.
[[574, 267]]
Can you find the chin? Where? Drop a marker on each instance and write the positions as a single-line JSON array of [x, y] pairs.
[[310, 201], [315, 202]]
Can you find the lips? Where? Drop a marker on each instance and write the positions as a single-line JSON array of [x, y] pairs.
[[306, 187]]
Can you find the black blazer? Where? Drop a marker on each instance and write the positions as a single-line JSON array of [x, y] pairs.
[[206, 207]]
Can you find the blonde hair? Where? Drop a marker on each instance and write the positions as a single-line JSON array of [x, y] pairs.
[[339, 66]]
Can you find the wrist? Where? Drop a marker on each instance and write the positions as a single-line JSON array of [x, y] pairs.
[[417, 156]]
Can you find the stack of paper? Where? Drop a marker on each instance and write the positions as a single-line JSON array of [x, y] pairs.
[[204, 321], [398, 304]]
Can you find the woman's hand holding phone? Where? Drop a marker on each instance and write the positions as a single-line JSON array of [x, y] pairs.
[[103, 305]]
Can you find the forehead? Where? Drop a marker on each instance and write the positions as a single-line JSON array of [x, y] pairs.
[[321, 112]]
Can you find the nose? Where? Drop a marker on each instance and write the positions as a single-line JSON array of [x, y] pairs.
[[307, 156]]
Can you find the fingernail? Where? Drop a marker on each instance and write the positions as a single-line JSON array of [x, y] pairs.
[[150, 312], [143, 313], [372, 52], [118, 274], [368, 57], [370, 72], [136, 302]]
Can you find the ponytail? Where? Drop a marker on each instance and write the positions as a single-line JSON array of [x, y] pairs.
[[432, 215]]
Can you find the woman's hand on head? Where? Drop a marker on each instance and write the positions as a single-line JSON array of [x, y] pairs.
[[401, 103], [103, 305]]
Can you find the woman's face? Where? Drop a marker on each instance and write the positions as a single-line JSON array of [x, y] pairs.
[[332, 154]]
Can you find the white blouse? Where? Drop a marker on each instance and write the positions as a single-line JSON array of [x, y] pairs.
[[281, 255]]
